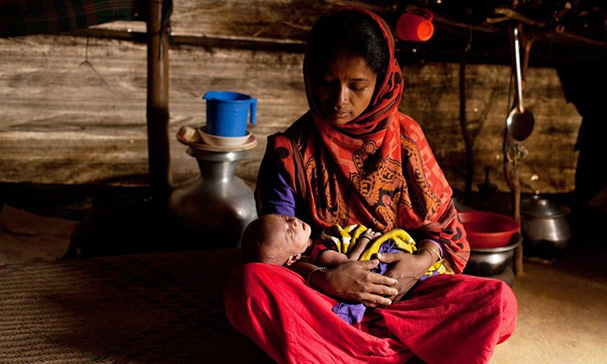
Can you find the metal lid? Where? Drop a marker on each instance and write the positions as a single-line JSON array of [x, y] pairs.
[[537, 206]]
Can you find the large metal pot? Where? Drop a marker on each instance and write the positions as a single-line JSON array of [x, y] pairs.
[[544, 225], [492, 261], [213, 210]]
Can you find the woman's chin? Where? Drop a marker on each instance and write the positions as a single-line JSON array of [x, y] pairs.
[[335, 119]]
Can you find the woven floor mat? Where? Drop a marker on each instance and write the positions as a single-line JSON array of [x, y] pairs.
[[153, 308]]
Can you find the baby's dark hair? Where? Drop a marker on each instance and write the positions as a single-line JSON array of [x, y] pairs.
[[351, 31], [252, 237], [259, 242]]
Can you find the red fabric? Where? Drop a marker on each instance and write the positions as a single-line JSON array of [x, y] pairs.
[[446, 319], [377, 170]]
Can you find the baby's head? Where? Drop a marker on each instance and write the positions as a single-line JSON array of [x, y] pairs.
[[275, 239]]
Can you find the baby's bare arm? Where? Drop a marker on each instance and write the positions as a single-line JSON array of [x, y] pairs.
[[330, 258]]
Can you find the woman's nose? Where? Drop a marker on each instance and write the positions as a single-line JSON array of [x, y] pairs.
[[341, 96]]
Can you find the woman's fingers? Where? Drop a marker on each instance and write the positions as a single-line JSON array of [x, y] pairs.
[[379, 290], [385, 290], [367, 264], [389, 257], [352, 280], [387, 293], [381, 286], [382, 280], [372, 300]]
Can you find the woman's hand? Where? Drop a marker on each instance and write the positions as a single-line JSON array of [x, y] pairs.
[[353, 281], [406, 269]]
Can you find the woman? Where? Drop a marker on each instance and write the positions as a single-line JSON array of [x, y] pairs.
[[354, 158]]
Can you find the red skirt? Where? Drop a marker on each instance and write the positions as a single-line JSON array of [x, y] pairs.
[[445, 319]]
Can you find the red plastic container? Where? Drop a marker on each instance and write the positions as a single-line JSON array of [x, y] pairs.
[[488, 229], [415, 26]]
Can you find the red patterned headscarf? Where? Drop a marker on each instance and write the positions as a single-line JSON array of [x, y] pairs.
[[377, 170]]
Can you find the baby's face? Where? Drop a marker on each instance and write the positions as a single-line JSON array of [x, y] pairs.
[[296, 233]]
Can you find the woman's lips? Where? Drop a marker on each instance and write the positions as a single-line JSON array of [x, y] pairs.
[[339, 114]]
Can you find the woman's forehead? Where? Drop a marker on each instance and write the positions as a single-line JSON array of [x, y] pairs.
[[342, 62]]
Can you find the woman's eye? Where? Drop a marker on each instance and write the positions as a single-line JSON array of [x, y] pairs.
[[327, 84]]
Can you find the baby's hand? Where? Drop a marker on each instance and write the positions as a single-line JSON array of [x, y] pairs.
[[362, 243], [372, 235]]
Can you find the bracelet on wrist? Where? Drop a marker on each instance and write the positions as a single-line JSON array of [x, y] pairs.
[[312, 272], [432, 250]]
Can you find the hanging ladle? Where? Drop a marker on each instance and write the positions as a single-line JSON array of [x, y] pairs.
[[520, 121]]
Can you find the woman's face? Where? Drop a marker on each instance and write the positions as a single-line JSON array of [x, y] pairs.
[[343, 86]]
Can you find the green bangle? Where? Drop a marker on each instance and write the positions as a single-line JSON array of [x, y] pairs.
[[312, 272]]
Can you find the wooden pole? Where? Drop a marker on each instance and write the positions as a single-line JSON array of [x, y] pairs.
[[511, 171], [158, 103], [513, 152], [468, 141]]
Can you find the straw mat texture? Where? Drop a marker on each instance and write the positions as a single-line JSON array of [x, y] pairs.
[[153, 308]]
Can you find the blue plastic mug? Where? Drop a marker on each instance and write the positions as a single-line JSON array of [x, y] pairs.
[[227, 113]]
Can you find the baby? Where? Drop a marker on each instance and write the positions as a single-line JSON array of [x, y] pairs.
[[283, 240]]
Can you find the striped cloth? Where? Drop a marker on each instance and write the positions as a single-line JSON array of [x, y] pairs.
[[26, 17]]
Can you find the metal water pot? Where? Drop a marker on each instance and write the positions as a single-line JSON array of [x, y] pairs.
[[213, 210], [545, 228]]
